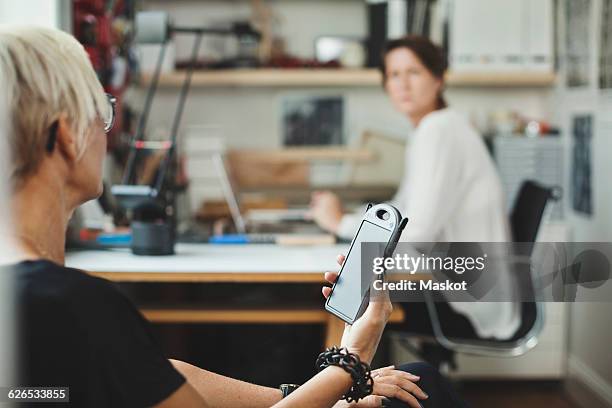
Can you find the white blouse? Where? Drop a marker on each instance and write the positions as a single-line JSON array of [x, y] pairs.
[[451, 192]]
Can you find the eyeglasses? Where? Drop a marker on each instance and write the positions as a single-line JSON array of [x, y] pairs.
[[109, 121]]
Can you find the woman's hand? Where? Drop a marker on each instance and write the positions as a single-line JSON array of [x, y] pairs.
[[326, 210], [391, 383], [363, 336]]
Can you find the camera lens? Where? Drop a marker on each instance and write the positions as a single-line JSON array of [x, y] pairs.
[[382, 214]]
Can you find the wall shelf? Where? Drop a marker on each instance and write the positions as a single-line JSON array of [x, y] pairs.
[[341, 78]]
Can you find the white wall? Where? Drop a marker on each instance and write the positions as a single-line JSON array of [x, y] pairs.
[[590, 332], [35, 12]]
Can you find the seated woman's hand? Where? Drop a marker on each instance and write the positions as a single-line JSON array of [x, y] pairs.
[[363, 336], [326, 210], [391, 383]]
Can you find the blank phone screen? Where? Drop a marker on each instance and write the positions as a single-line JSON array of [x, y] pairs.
[[348, 292]]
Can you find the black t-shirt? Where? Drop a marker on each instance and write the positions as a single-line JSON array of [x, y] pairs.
[[78, 331]]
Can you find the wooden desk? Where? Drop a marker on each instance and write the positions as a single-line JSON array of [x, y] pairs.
[[238, 264]]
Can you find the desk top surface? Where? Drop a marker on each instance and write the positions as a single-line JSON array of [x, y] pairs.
[[204, 262]]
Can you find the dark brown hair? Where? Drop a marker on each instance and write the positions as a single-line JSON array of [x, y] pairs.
[[431, 56]]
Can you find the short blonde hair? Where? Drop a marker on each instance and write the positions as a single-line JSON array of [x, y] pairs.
[[45, 73]]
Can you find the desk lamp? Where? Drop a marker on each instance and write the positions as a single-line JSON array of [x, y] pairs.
[[153, 206]]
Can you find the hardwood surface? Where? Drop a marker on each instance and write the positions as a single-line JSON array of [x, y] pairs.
[[508, 394], [341, 77]]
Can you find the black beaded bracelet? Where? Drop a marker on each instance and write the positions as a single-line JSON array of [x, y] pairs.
[[360, 372]]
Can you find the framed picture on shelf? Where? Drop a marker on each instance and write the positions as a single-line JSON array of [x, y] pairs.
[[311, 120]]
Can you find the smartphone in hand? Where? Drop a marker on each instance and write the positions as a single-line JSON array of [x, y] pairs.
[[383, 224]]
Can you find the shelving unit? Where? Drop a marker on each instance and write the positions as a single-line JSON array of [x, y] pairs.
[[341, 78]]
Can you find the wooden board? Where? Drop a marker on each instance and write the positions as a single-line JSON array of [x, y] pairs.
[[248, 170], [268, 77]]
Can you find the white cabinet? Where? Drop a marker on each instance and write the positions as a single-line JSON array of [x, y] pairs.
[[522, 158]]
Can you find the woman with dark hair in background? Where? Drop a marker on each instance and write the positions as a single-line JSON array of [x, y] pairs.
[[450, 190]]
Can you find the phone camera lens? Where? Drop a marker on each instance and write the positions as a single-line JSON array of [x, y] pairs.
[[382, 214]]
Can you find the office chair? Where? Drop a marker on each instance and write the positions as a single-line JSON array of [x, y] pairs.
[[525, 220]]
